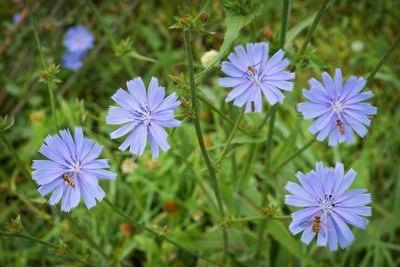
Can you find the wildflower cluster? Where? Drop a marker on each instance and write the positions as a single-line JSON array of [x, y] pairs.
[[72, 168], [78, 40], [339, 109]]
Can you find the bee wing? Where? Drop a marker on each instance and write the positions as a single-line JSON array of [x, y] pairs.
[[324, 226], [307, 223]]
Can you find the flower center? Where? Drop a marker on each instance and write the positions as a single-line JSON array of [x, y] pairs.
[[72, 169], [337, 106], [255, 75], [327, 203], [143, 115], [80, 40]]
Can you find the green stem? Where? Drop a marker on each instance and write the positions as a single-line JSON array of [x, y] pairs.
[[44, 66], [111, 38], [163, 237], [286, 10], [321, 11], [265, 184], [263, 121], [252, 152], [214, 181], [10, 148], [258, 218], [42, 242], [85, 234], [384, 58], [285, 21], [228, 142], [295, 154], [28, 237], [220, 113]]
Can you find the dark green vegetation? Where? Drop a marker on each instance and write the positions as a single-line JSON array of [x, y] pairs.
[[352, 35]]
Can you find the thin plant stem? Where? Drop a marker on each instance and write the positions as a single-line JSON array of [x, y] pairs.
[[111, 38], [19, 162], [263, 121], [144, 228], [252, 153], [295, 154], [28, 237], [320, 12], [384, 58], [50, 85], [220, 113], [285, 21], [214, 181], [258, 218], [228, 142], [265, 184], [44, 243], [286, 11], [82, 231]]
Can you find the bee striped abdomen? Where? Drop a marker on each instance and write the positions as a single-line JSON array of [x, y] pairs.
[[340, 124], [67, 179], [316, 224], [251, 69]]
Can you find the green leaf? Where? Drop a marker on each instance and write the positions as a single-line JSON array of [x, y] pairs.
[[319, 63], [296, 30], [138, 56], [281, 234], [39, 200], [234, 23]]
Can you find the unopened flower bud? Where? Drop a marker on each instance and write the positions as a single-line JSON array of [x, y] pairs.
[[203, 16], [175, 80]]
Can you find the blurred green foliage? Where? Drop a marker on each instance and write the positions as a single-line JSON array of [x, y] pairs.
[[352, 35]]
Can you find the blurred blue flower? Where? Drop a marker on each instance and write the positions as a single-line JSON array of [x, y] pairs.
[[78, 39], [323, 194], [339, 108], [72, 170], [251, 72], [72, 61], [16, 18], [144, 115]]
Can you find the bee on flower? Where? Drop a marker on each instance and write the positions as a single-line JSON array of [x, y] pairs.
[[251, 72], [328, 206], [72, 170], [338, 108]]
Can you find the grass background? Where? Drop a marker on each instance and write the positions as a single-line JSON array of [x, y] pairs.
[[83, 98]]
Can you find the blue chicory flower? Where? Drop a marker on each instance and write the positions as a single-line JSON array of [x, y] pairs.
[[72, 170], [78, 39], [323, 193], [252, 73], [16, 18], [338, 108], [72, 61], [144, 116]]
